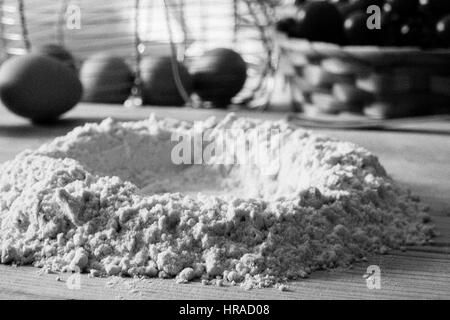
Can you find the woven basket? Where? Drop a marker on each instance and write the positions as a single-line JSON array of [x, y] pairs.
[[374, 81]]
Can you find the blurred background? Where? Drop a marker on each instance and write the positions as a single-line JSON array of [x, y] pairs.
[[314, 58]]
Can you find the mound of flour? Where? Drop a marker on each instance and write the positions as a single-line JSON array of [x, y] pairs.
[[108, 199]]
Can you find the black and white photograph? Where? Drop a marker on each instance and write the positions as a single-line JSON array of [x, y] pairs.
[[213, 152]]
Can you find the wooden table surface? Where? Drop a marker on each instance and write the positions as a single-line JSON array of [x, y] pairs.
[[419, 159]]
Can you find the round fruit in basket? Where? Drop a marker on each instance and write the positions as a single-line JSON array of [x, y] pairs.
[[38, 87], [289, 26], [164, 80], [357, 33], [106, 79], [410, 34], [403, 8], [435, 7], [443, 31], [321, 21], [219, 75], [348, 7]]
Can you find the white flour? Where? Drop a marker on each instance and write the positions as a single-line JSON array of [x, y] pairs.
[[94, 200]]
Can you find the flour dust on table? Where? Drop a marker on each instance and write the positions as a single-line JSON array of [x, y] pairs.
[[108, 199]]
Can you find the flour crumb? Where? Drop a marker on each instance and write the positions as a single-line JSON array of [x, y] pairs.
[[186, 275]]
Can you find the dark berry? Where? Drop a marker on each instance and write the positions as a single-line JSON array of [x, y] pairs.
[[286, 24], [403, 8], [443, 31], [390, 26], [358, 5], [299, 3], [410, 34], [435, 7], [321, 21]]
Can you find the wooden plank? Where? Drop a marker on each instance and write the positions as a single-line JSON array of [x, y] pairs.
[[402, 276]]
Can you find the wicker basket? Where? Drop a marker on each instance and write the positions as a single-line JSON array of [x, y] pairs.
[[374, 81]]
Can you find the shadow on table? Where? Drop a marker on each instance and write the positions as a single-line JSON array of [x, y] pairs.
[[53, 129]]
